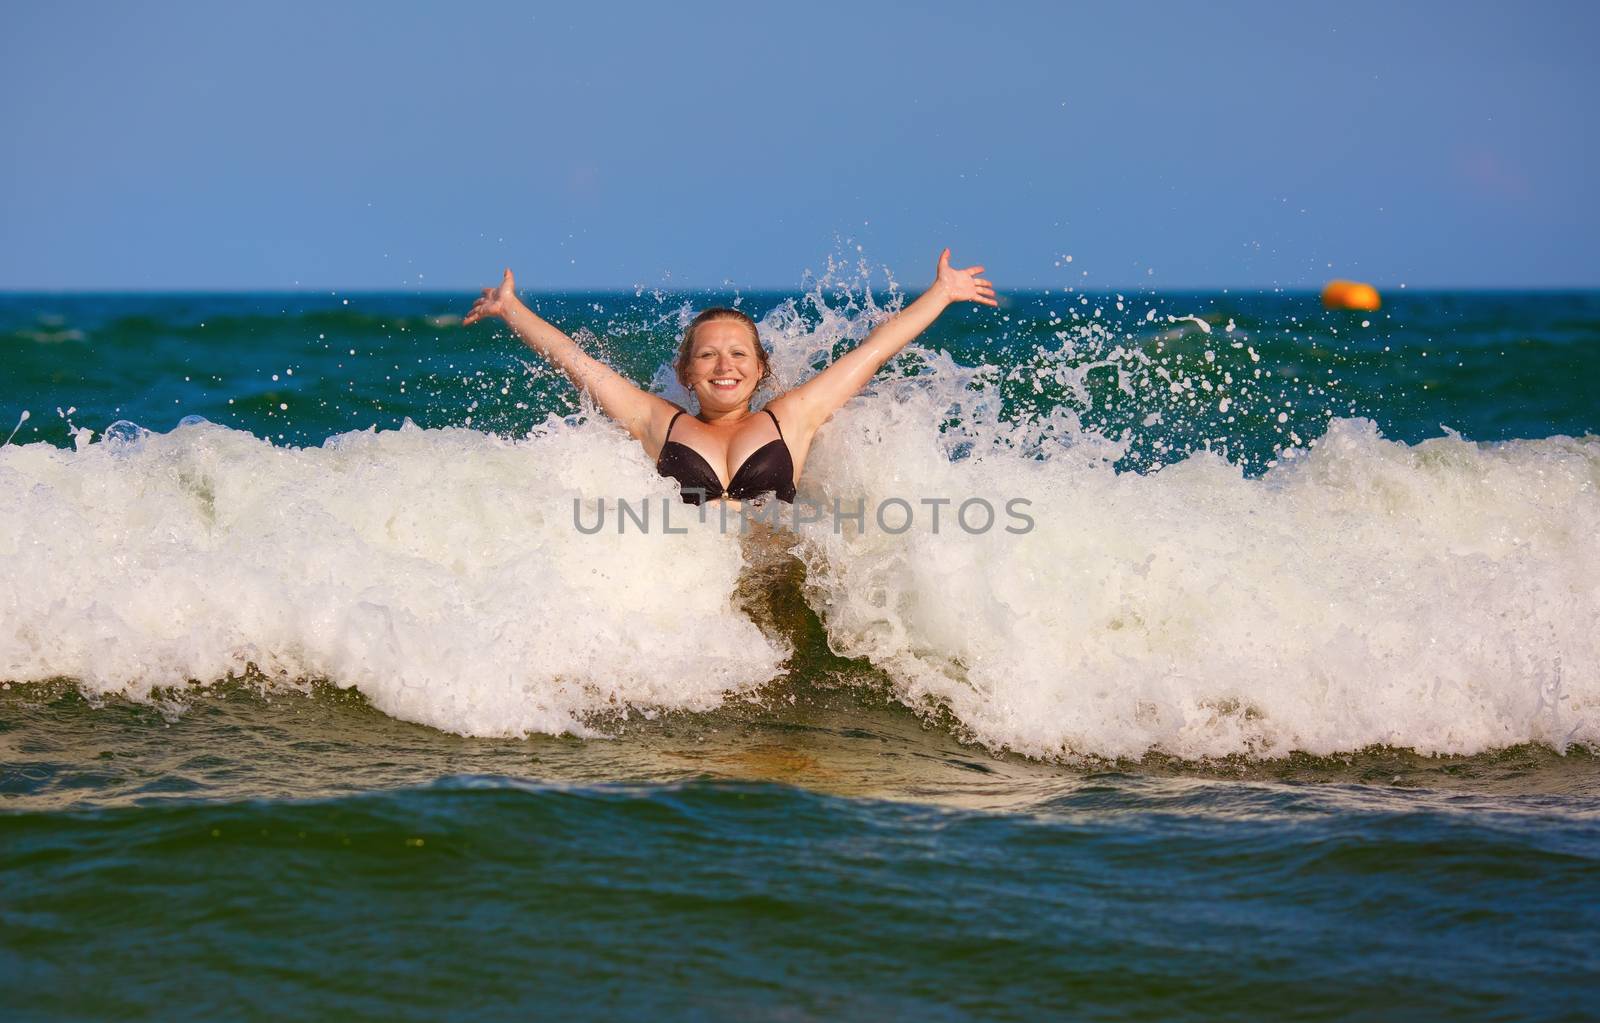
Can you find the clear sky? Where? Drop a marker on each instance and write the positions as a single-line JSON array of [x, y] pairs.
[[402, 145]]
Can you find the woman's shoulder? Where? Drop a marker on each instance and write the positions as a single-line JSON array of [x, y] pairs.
[[787, 406]]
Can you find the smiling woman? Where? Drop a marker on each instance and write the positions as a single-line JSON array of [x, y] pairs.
[[729, 451], [722, 360]]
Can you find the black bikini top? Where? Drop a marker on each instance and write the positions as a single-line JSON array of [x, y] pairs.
[[768, 470]]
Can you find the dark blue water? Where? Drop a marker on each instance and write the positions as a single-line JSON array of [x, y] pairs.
[[297, 728]]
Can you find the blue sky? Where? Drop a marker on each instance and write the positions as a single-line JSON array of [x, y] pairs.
[[1166, 145]]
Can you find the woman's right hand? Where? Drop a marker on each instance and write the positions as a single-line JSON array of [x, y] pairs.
[[494, 301], [641, 413], [963, 285]]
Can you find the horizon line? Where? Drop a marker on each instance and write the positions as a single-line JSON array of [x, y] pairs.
[[10, 291]]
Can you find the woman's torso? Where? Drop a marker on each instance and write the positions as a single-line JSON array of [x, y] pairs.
[[768, 469]]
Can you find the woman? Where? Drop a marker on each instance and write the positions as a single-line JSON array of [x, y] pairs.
[[726, 451]]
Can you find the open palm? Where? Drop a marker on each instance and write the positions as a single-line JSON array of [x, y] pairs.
[[963, 285], [494, 301]]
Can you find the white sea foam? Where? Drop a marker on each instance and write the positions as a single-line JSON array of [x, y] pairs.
[[437, 571], [1443, 596]]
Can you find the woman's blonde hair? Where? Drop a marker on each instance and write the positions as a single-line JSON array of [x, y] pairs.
[[712, 315]]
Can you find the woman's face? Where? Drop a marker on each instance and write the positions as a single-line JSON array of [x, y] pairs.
[[724, 366]]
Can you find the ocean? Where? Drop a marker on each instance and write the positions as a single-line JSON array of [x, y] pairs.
[[1269, 688]]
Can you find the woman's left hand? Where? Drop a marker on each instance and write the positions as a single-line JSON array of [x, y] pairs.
[[963, 285]]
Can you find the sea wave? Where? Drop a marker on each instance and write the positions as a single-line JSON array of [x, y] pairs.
[[1439, 596], [1340, 591], [438, 571]]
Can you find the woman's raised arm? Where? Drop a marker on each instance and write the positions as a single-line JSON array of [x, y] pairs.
[[642, 414], [809, 405]]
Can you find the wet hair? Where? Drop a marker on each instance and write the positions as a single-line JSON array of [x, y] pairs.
[[712, 315]]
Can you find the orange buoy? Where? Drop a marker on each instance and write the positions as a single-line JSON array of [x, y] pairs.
[[1350, 295]]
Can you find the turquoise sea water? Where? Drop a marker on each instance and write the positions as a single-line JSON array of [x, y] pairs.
[[318, 703]]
